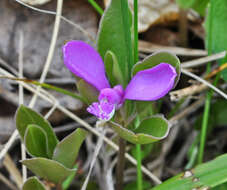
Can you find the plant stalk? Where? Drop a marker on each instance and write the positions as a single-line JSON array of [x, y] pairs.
[[136, 58], [139, 171], [96, 6]]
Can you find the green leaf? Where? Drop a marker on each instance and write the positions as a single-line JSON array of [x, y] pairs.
[[35, 140], [33, 183], [221, 187], [198, 5], [26, 116], [207, 175], [216, 27], [69, 180], [88, 92], [66, 151], [144, 109], [48, 169], [113, 70], [115, 35], [150, 130], [157, 58]]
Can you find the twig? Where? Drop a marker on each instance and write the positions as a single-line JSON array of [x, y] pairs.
[[7, 182], [8, 144], [95, 155], [12, 169], [148, 47], [201, 61], [187, 111], [62, 17], [21, 98], [216, 71], [51, 49], [188, 91], [46, 96], [204, 82]]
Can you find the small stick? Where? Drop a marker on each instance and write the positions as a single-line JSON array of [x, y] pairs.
[[204, 82], [219, 69], [51, 49], [188, 91], [21, 98], [201, 61], [148, 47]]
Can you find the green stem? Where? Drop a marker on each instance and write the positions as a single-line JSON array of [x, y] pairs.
[[205, 121], [96, 6], [204, 127], [208, 99], [136, 58], [139, 171]]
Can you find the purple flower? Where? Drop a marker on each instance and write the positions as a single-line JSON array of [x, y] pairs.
[[147, 85]]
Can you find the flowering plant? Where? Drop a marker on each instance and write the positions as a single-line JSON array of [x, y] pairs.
[[146, 85]]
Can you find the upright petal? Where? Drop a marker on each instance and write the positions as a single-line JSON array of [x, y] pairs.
[[151, 84], [85, 62]]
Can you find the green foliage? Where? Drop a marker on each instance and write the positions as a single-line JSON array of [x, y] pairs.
[[210, 174], [69, 179], [149, 130], [216, 27], [113, 70], [67, 150], [48, 169], [221, 187], [26, 116], [88, 92], [157, 58], [33, 183], [197, 5], [35, 140], [37, 132], [115, 35]]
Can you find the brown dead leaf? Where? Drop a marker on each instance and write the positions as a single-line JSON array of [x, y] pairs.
[[36, 2]]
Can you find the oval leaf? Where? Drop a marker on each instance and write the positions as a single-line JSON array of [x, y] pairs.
[[26, 116], [66, 151], [150, 130], [35, 140], [157, 58], [34, 184], [48, 169], [113, 70]]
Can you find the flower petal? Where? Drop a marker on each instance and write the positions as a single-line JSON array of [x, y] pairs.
[[85, 62], [102, 110], [151, 84]]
